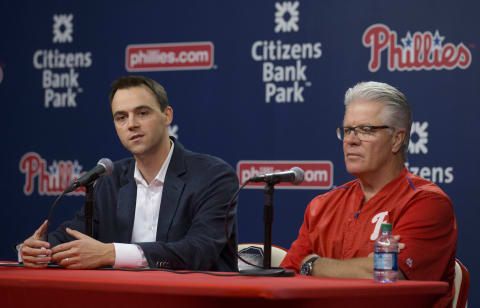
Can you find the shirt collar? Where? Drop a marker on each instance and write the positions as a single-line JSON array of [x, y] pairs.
[[160, 177], [386, 189]]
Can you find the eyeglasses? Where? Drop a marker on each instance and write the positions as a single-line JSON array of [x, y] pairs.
[[363, 132]]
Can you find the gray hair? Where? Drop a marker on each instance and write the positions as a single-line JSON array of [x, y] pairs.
[[397, 111]]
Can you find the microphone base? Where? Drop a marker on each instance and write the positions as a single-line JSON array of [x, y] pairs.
[[268, 272]]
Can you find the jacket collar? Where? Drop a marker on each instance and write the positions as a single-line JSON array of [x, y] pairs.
[[172, 191]]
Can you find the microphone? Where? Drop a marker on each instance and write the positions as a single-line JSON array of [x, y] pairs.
[[294, 176], [104, 166]]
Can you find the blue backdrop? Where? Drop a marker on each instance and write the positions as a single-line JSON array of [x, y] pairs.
[[248, 81]]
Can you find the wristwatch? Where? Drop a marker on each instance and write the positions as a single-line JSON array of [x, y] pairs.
[[307, 267]]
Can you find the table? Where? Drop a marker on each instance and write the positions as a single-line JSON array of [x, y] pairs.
[[24, 287]]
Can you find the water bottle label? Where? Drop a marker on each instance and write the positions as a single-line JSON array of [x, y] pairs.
[[385, 261]]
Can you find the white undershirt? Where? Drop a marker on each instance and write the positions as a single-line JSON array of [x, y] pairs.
[[147, 209]]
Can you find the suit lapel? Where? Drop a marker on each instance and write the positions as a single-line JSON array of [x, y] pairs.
[[172, 191], [127, 198]]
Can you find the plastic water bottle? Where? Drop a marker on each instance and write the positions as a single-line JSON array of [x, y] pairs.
[[385, 259]]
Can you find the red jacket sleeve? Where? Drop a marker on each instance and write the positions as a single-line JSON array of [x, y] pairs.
[[300, 248], [427, 227]]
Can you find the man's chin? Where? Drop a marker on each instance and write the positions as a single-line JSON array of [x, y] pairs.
[[137, 151], [354, 170]]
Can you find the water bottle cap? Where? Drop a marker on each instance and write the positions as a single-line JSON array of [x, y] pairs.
[[386, 227]]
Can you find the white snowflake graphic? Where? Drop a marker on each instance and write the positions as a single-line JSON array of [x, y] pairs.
[[286, 16], [62, 28], [173, 131], [420, 145]]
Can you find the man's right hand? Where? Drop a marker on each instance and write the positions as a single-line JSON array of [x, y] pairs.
[[35, 251]]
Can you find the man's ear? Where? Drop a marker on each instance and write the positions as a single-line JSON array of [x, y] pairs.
[[397, 140], [168, 112]]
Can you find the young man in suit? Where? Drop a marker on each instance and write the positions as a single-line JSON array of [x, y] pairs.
[[162, 208]]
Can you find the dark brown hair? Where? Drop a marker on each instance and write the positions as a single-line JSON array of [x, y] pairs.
[[137, 81]]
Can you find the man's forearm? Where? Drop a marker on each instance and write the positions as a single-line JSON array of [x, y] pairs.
[[350, 268]]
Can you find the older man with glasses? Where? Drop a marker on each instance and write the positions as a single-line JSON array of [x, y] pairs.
[[337, 236]]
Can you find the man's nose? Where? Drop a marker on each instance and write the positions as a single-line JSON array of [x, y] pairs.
[[351, 138], [132, 122]]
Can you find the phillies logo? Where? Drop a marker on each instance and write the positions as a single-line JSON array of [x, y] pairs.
[[418, 51], [52, 181], [378, 220], [169, 56], [317, 174]]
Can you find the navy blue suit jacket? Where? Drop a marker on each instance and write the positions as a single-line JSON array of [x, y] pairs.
[[190, 232]]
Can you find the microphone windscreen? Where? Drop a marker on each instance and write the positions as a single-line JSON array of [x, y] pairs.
[[107, 164], [299, 174]]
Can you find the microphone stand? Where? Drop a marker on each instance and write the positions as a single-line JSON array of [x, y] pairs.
[[267, 269], [89, 209], [267, 220]]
